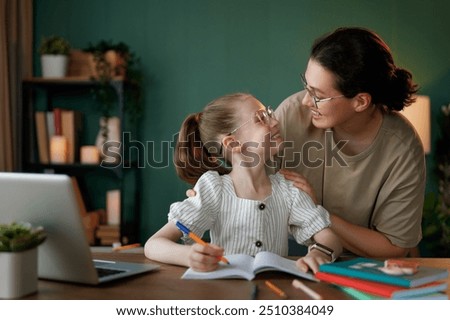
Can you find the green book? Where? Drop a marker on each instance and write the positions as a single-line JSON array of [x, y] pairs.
[[359, 295]]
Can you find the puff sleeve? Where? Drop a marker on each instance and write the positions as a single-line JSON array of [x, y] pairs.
[[200, 212]]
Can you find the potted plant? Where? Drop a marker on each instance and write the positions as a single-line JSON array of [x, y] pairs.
[[115, 60], [18, 259], [54, 51], [436, 215], [111, 60]]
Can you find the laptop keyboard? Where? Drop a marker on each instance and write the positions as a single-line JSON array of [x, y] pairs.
[[103, 272]]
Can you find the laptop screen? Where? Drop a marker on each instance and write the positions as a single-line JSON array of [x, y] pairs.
[[48, 200]]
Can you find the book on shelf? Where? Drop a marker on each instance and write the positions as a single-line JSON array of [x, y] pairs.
[[57, 122], [71, 126], [108, 234], [42, 137], [108, 241], [361, 295], [50, 124], [90, 219], [382, 290], [79, 197], [108, 231], [90, 222], [244, 266], [67, 123], [369, 269]]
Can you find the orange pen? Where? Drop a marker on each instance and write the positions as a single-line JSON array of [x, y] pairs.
[[196, 238], [275, 289]]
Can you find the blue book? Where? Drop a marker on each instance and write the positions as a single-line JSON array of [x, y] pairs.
[[369, 269]]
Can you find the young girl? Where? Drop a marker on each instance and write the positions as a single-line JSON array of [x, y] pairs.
[[223, 150]]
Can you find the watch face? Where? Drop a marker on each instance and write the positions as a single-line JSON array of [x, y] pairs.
[[324, 249]]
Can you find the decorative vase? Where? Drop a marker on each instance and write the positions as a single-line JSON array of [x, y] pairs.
[[19, 273], [108, 139], [117, 63], [54, 65]]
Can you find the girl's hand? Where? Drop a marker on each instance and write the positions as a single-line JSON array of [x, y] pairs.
[[205, 258], [300, 182], [312, 261]]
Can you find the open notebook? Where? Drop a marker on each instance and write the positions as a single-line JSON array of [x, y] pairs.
[[48, 200], [243, 266]]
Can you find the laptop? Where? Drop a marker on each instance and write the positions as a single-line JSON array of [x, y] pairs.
[[48, 200]]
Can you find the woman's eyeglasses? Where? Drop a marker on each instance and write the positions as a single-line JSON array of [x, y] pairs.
[[313, 96], [262, 116]]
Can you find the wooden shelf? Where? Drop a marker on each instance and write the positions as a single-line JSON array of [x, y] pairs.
[[122, 176], [67, 80]]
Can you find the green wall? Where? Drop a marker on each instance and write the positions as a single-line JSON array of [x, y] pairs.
[[195, 50]]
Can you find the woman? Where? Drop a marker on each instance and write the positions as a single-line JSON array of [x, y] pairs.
[[349, 148]]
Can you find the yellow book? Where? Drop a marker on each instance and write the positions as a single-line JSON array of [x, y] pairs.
[[71, 126]]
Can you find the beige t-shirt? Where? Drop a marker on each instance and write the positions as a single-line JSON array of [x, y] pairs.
[[381, 188]]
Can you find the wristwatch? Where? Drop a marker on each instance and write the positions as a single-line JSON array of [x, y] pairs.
[[324, 249]]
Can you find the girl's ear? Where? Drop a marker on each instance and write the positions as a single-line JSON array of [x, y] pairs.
[[362, 101], [229, 142]]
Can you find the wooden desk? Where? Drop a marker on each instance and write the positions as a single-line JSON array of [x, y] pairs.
[[165, 284]]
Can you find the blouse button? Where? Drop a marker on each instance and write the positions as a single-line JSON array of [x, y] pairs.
[[258, 243], [262, 206]]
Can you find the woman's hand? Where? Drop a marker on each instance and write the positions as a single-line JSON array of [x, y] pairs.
[[300, 182], [190, 193], [312, 261], [205, 258]]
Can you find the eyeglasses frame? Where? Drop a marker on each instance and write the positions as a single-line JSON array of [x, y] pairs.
[[313, 96], [269, 114]]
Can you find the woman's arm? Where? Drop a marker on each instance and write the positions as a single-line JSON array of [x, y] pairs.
[[363, 241], [163, 247]]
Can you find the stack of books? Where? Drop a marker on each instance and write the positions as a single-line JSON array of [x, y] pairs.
[[364, 278], [108, 234]]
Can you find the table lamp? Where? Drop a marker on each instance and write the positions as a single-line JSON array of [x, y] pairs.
[[418, 114]]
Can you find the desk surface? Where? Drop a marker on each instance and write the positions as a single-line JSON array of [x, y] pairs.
[[165, 284]]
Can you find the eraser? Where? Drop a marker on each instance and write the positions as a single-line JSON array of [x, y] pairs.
[[400, 267]]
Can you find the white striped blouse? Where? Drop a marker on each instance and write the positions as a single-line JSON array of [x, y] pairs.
[[250, 226]]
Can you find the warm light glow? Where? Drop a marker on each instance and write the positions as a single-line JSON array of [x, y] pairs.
[[89, 155], [419, 115], [58, 149], [113, 207]]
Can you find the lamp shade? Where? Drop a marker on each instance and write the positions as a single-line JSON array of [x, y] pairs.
[[418, 114]]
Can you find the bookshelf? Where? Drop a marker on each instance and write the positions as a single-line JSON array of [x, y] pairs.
[[94, 180]]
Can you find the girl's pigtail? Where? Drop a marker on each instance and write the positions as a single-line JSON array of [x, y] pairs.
[[191, 158]]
